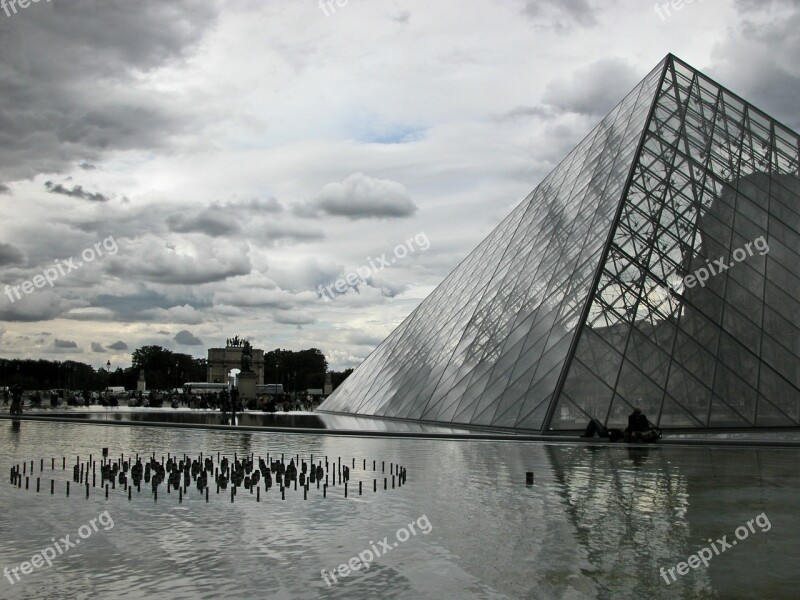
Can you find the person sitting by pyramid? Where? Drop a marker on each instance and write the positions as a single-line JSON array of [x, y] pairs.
[[639, 428]]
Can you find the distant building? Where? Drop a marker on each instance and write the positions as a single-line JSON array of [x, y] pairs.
[[222, 360]]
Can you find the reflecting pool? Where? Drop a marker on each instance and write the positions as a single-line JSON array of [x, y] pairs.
[[599, 522]]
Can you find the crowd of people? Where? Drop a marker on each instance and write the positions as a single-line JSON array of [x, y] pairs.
[[224, 401]]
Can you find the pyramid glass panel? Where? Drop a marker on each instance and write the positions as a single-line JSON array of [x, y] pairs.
[[655, 266]]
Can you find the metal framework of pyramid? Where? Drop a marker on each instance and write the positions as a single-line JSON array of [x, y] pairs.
[[580, 303]]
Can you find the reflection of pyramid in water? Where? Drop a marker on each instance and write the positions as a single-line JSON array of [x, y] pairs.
[[575, 304]]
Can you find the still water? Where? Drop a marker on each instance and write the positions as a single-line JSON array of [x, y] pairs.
[[599, 522]]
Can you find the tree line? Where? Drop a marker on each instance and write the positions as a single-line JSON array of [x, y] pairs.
[[164, 369]]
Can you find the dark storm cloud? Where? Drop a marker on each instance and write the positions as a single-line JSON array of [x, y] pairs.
[[561, 13], [220, 219], [44, 305], [120, 345], [214, 223], [387, 288], [65, 73], [77, 191], [64, 344], [594, 89], [185, 338], [10, 255], [141, 305], [759, 61], [97, 347], [360, 197]]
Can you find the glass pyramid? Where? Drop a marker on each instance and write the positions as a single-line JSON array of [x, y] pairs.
[[656, 266]]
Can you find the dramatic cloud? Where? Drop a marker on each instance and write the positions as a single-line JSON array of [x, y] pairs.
[[233, 193], [211, 222], [561, 13], [595, 89], [68, 76], [77, 191], [362, 197], [10, 255], [118, 346], [200, 263], [43, 305], [185, 338], [64, 344], [747, 61]]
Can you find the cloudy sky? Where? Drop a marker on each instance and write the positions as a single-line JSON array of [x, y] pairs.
[[217, 162]]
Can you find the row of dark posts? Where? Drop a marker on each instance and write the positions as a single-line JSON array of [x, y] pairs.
[[178, 473]]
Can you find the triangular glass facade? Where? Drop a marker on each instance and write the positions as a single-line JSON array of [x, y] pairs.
[[592, 296]]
